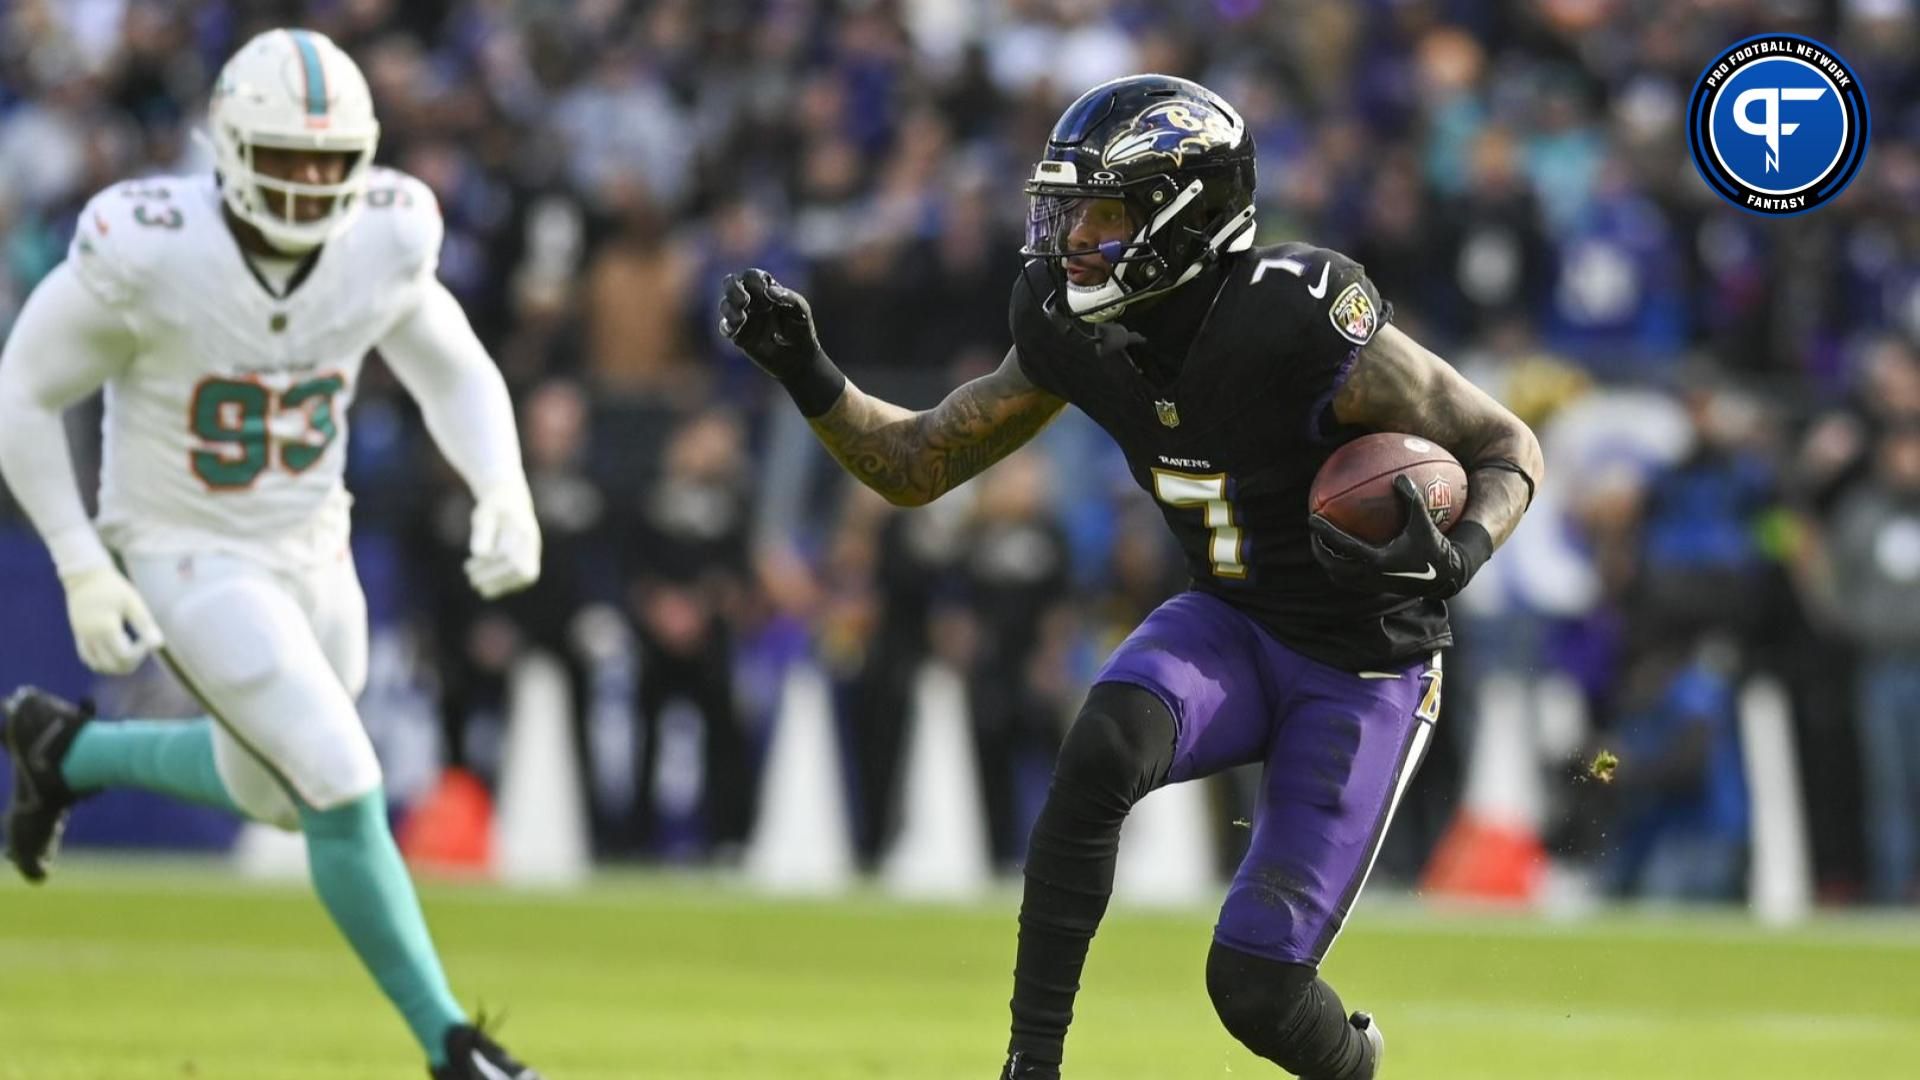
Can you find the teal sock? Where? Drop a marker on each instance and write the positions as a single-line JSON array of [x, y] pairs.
[[358, 873], [173, 757]]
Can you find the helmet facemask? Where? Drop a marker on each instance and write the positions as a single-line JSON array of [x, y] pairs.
[[291, 90], [1179, 235], [269, 203], [1181, 160]]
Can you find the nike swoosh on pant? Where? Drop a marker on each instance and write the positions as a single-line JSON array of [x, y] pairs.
[[1418, 575], [1320, 290]]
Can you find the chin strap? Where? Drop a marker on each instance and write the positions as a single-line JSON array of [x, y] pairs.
[[1236, 234], [1111, 296], [1107, 300], [1114, 339], [1171, 210], [1239, 231]]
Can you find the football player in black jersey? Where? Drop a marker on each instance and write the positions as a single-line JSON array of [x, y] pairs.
[[1227, 373]]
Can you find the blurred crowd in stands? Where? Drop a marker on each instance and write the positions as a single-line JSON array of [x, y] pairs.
[[1730, 404]]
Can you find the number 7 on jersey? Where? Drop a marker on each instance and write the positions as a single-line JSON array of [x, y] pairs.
[[1208, 492]]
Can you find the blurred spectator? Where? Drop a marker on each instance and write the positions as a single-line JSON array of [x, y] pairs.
[[1677, 810], [1021, 687], [911, 570], [1618, 297], [1144, 569], [685, 554], [1836, 452], [622, 118], [1059, 47], [1876, 568], [475, 643], [1495, 255], [635, 287], [1703, 565], [577, 574]]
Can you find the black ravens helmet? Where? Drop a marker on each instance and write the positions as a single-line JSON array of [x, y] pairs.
[[1181, 160]]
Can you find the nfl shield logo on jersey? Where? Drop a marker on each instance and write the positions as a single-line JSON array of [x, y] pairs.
[[1169, 413], [1354, 315]]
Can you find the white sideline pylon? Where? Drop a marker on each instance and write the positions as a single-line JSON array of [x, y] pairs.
[[1167, 850], [540, 820], [1503, 771], [941, 851], [1491, 850], [802, 840], [1780, 872], [266, 853]]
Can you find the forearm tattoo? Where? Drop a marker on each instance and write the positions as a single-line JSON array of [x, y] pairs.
[[912, 458], [1397, 385], [1497, 499]]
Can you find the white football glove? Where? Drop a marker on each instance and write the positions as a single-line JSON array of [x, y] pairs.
[[504, 550], [102, 605]]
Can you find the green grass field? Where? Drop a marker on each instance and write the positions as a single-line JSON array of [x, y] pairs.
[[118, 973]]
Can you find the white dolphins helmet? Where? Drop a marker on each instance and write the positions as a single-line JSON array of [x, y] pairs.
[[291, 90]]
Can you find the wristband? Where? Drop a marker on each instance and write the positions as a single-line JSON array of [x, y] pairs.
[[816, 387], [1475, 545]]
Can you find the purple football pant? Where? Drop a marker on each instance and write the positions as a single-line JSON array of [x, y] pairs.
[[1338, 747]]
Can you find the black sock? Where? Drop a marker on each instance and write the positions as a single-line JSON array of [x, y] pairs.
[[1119, 748], [1288, 1015]]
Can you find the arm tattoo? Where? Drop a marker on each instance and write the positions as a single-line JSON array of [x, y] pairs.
[[1399, 386], [912, 458], [1497, 499]]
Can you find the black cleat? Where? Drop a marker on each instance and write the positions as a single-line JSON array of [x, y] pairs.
[[1020, 1067], [471, 1055], [1376, 1042], [39, 729]]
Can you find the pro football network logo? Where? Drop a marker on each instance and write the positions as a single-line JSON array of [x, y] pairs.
[[1778, 124]]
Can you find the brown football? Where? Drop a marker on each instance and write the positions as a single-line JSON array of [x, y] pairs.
[[1354, 489]]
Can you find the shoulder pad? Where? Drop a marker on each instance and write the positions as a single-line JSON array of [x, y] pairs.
[[1030, 290], [1044, 341], [122, 232], [405, 210], [1322, 284]]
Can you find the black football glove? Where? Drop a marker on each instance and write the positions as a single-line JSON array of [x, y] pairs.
[[773, 325], [1421, 561]]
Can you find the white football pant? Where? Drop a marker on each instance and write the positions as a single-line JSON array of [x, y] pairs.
[[278, 658]]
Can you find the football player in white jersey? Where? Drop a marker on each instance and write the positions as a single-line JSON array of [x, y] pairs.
[[227, 316]]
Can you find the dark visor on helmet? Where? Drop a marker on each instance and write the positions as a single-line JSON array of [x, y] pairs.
[[1051, 220]]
